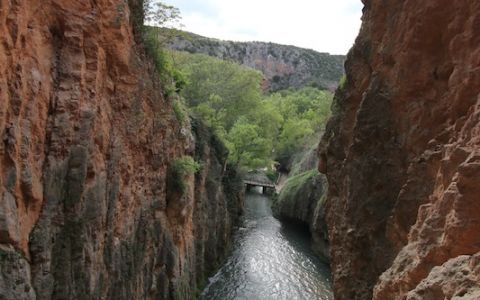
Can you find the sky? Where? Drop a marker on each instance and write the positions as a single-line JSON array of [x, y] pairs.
[[323, 25]]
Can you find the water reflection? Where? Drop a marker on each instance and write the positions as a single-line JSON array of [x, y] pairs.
[[269, 261]]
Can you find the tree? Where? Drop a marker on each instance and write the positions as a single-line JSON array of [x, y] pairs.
[[256, 128], [154, 38], [226, 87], [160, 14], [247, 147]]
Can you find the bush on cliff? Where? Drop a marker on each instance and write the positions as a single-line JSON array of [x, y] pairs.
[[178, 170], [294, 184], [299, 196], [153, 39]]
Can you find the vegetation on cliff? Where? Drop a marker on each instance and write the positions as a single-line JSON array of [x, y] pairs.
[[293, 187], [302, 200], [179, 169]]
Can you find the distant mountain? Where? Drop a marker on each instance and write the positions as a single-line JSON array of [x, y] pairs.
[[283, 66]]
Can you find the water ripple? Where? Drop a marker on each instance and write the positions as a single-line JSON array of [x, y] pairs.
[[269, 261]]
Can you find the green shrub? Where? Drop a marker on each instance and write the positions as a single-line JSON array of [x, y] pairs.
[[272, 175], [343, 82], [294, 184], [180, 111], [178, 170], [173, 79]]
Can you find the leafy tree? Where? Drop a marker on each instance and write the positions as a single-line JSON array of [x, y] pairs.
[[247, 147], [256, 128], [304, 113], [229, 89], [154, 38], [293, 137], [160, 14]]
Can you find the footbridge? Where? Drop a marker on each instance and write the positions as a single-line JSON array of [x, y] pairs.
[[253, 179]]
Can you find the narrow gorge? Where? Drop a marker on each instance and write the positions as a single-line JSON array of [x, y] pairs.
[[126, 149]]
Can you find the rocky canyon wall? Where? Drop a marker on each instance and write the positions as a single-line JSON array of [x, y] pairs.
[[402, 155], [87, 142], [301, 199]]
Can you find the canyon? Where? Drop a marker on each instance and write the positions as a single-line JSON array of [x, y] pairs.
[[106, 192]]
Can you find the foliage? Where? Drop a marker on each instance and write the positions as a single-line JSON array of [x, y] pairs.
[[185, 165], [160, 14], [295, 184], [247, 147], [343, 82], [172, 79], [178, 170], [219, 91], [257, 129], [272, 175], [154, 39], [304, 114], [181, 112]]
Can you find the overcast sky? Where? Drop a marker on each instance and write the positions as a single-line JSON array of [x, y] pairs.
[[323, 25]]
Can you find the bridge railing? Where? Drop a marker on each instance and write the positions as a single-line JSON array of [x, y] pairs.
[[257, 183]]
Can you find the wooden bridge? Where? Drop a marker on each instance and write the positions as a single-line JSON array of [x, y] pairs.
[[254, 179]]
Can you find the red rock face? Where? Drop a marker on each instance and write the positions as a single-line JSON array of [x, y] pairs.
[[87, 138], [402, 155]]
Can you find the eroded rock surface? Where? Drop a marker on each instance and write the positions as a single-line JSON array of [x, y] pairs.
[[401, 154], [302, 200], [87, 138]]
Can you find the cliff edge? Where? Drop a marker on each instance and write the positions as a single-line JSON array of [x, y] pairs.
[[87, 142], [401, 155]]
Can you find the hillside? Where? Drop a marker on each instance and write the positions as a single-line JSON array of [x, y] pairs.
[[283, 66]]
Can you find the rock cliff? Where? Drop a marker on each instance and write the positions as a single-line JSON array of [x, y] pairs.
[[401, 155], [302, 200], [283, 66], [87, 143]]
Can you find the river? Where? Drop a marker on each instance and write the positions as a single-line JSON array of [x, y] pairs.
[[269, 261]]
